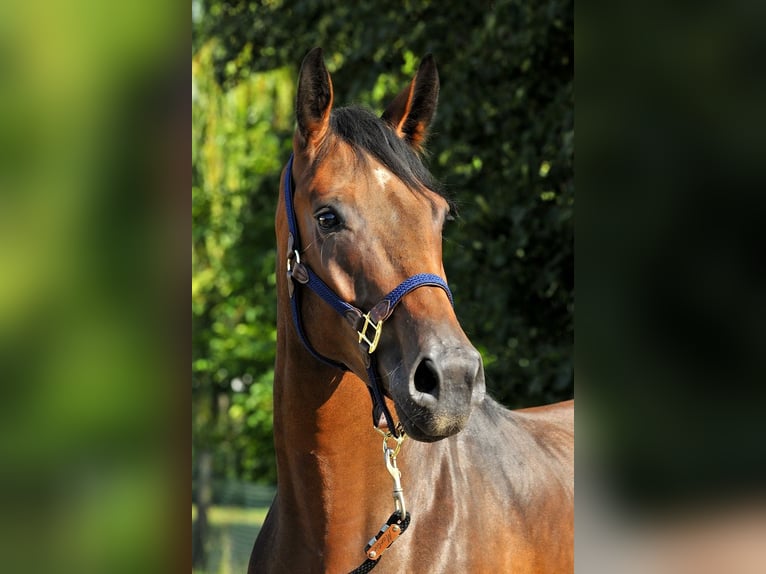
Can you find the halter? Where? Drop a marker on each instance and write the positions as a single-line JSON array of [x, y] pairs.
[[368, 326]]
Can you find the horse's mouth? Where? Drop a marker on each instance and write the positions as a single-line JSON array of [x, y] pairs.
[[427, 426]]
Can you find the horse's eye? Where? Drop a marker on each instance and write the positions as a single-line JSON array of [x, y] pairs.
[[328, 220]]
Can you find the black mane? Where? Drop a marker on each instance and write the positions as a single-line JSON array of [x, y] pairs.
[[366, 133]]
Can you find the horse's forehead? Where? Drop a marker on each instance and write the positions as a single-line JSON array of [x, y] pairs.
[[382, 175], [365, 181], [349, 174]]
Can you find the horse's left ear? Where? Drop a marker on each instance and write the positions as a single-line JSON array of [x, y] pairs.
[[411, 112]]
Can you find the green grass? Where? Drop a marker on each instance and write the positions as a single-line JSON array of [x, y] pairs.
[[224, 515], [232, 532]]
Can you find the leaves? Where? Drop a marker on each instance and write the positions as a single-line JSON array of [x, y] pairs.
[[238, 137]]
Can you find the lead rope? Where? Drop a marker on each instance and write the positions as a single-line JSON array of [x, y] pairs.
[[398, 522]]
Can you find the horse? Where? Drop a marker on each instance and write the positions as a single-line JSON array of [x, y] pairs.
[[475, 487]]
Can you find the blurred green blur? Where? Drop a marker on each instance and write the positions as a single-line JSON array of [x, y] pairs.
[[88, 125], [671, 456]]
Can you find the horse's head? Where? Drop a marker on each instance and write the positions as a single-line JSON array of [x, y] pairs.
[[369, 216]]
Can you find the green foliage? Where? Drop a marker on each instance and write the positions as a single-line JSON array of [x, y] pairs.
[[238, 139], [503, 142]]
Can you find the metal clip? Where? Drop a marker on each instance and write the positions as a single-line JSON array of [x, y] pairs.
[[372, 345], [390, 456]]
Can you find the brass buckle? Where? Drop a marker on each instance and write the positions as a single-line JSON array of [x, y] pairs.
[[363, 333]]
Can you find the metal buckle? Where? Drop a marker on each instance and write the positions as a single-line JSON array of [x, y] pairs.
[[363, 333], [293, 259]]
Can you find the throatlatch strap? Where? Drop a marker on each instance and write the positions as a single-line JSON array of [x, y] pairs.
[[294, 306]]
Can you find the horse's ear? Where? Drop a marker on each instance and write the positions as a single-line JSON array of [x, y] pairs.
[[314, 99], [411, 112]]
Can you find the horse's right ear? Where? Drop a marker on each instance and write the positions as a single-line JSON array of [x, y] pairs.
[[314, 99]]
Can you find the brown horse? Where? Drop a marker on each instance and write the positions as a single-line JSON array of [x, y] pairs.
[[359, 224]]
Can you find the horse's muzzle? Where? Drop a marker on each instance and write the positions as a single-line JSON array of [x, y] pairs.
[[444, 386]]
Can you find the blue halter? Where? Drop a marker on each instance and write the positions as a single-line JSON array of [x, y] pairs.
[[367, 325]]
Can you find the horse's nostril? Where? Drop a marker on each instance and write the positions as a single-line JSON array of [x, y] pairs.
[[427, 378]]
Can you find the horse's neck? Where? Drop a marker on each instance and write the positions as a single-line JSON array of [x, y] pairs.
[[329, 459]]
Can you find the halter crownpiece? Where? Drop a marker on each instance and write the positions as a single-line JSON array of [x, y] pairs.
[[368, 326]]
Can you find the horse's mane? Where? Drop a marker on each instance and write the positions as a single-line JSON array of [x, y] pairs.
[[367, 134]]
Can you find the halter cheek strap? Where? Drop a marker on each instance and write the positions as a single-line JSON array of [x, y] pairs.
[[368, 326]]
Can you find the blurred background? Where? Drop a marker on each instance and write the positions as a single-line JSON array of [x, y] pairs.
[[671, 323], [93, 200], [502, 142], [94, 197]]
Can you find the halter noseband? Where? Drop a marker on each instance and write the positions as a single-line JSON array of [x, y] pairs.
[[367, 325]]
